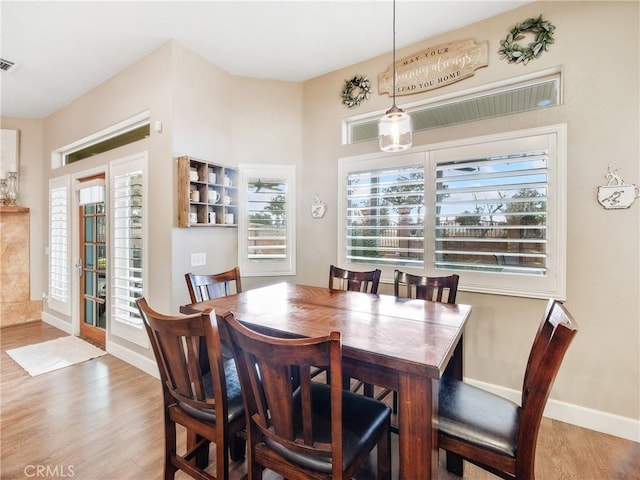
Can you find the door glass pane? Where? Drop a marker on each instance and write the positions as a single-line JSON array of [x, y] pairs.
[[88, 256], [88, 312], [89, 279], [102, 258], [89, 228]]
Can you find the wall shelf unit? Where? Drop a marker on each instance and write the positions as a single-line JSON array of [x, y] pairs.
[[207, 194]]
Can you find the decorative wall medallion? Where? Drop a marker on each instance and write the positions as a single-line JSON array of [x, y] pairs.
[[616, 194], [355, 91], [435, 67], [318, 209], [516, 53]]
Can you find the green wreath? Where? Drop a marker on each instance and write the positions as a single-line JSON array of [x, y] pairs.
[[516, 53], [355, 91]]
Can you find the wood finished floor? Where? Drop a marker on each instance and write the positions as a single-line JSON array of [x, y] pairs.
[[102, 420]]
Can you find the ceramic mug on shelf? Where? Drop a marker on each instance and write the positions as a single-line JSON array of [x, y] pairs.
[[212, 177], [212, 217], [193, 217], [227, 181], [226, 200], [228, 218], [195, 195], [193, 175], [213, 196]]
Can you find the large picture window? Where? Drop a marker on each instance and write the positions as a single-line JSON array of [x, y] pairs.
[[491, 209]]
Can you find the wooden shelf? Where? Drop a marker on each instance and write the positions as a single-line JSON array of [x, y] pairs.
[[207, 194]]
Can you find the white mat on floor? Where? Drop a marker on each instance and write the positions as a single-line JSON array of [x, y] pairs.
[[45, 357]]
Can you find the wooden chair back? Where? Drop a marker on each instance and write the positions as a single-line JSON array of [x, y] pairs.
[[193, 398], [554, 335], [367, 282], [437, 289], [281, 402], [206, 287]]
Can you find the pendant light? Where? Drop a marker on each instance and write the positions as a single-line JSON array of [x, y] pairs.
[[394, 129]]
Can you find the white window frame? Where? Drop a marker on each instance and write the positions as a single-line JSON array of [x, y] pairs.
[[553, 138], [59, 246], [125, 321], [287, 266]]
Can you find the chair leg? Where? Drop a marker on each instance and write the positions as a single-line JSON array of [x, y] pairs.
[[237, 447], [384, 455], [395, 402], [169, 449], [455, 464]]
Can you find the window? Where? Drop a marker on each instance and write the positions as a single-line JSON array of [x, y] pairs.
[[128, 249], [385, 216], [266, 236], [491, 209], [522, 94], [58, 298]]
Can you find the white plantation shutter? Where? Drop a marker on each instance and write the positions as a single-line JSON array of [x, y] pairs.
[[491, 214], [129, 246], [491, 209], [385, 216], [59, 298], [267, 220]]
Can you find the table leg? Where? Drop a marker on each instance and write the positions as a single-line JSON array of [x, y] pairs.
[[418, 442], [455, 370]]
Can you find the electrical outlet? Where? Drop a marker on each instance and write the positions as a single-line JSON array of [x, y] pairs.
[[198, 259]]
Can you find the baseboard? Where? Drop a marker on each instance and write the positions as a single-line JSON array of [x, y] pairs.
[[597, 420], [147, 365], [54, 321]]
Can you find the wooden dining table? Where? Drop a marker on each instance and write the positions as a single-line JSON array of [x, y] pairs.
[[403, 344]]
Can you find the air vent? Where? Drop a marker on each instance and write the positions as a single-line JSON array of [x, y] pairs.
[[5, 65]]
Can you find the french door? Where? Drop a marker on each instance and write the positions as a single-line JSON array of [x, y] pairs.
[[92, 263]]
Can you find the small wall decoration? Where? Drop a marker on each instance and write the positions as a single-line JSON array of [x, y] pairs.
[[516, 53], [318, 209], [616, 194], [355, 91], [435, 67]]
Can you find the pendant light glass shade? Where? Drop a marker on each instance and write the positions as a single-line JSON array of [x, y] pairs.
[[394, 129]]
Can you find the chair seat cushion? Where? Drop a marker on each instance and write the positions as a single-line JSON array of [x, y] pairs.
[[363, 419], [234, 396], [478, 417]]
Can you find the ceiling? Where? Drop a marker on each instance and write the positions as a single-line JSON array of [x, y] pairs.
[[61, 50]]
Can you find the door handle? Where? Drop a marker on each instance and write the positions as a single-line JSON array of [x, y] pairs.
[[79, 267]]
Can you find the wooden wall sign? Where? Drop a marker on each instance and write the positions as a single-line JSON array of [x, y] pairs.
[[435, 67]]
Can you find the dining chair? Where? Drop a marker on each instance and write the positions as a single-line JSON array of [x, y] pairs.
[[353, 281], [304, 429], [497, 434], [209, 405], [206, 287], [340, 279], [436, 289]]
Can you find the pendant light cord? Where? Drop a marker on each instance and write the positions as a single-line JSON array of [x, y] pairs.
[[394, 54]]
